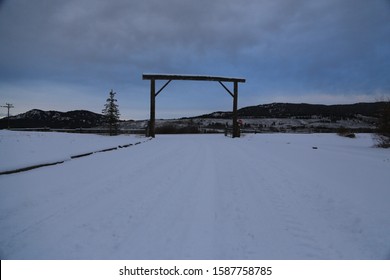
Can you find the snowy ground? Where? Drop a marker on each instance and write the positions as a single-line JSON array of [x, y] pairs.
[[24, 149], [264, 196]]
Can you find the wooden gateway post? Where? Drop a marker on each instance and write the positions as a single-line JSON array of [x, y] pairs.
[[170, 77]]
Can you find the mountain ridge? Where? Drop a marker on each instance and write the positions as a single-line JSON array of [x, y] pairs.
[[288, 110], [54, 119], [36, 118]]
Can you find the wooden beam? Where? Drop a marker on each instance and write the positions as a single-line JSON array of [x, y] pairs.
[[162, 87], [190, 78], [226, 89], [152, 120], [236, 129]]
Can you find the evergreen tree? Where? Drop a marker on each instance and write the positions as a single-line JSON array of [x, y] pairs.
[[111, 112]]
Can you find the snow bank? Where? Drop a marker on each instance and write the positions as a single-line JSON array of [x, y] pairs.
[[204, 197]]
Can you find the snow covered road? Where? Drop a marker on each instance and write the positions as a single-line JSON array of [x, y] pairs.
[[205, 197]]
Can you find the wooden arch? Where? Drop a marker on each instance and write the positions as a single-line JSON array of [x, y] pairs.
[[170, 77]]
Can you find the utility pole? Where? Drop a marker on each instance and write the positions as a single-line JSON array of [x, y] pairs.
[[8, 106]]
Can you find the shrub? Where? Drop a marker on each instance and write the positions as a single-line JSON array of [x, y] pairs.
[[171, 129], [383, 127], [342, 131]]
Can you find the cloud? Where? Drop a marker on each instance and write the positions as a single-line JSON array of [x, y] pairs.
[[301, 47]]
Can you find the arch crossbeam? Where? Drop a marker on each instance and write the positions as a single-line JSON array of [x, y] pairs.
[[171, 77]]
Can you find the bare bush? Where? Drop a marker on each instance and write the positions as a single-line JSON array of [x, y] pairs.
[[383, 128], [342, 131]]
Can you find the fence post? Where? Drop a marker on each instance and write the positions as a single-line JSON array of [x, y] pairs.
[[152, 108]]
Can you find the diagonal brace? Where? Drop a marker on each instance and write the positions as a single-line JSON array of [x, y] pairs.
[[162, 88], [226, 89]]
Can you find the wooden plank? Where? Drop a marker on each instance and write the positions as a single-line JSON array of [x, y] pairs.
[[236, 129], [190, 78], [226, 89], [162, 88]]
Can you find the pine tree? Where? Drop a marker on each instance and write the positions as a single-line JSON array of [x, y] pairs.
[[111, 112]]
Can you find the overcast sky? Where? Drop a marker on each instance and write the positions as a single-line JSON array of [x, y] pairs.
[[66, 55]]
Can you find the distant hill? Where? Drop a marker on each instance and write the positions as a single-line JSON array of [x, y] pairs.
[[86, 119], [303, 110], [53, 119]]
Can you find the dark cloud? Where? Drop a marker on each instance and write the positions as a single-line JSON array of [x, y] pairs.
[[328, 46]]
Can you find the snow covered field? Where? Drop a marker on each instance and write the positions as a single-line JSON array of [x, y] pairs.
[[264, 196], [22, 149]]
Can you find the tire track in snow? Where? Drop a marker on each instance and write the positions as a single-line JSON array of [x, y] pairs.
[[181, 199], [174, 208], [291, 218], [294, 225], [81, 200], [201, 184], [244, 210]]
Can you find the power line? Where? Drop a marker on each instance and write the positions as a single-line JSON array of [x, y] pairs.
[[8, 106]]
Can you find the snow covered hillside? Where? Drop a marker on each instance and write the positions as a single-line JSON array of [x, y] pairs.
[[264, 196]]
